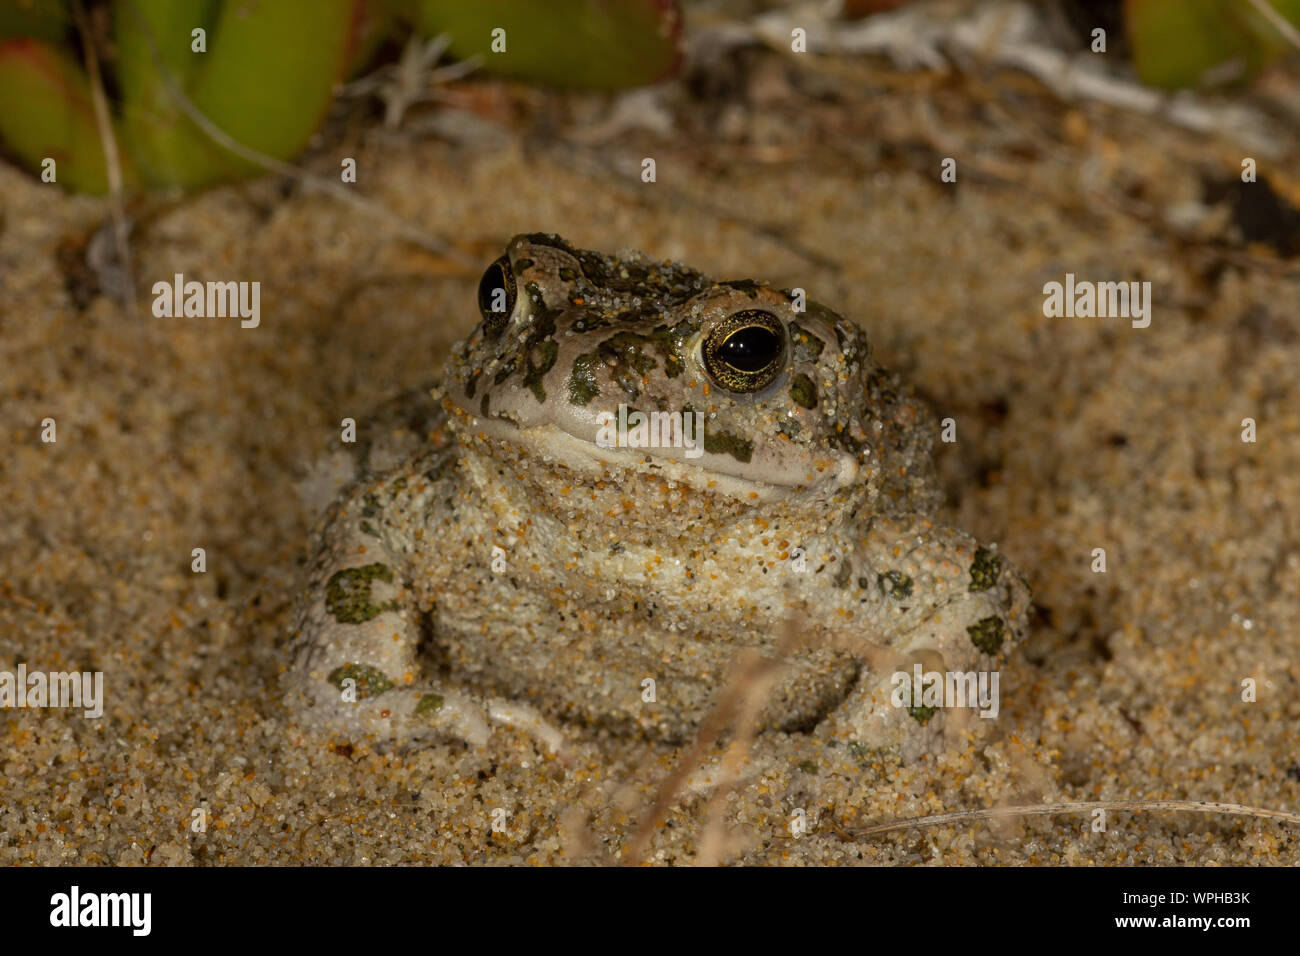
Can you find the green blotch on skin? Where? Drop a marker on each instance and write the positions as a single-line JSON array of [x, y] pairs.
[[582, 380], [803, 392], [370, 682], [546, 353], [671, 341], [921, 714], [806, 347], [428, 704], [626, 355], [843, 573], [808, 766], [898, 585], [347, 595], [987, 634], [535, 296], [591, 263], [725, 443], [984, 570], [568, 273], [507, 369], [865, 756], [523, 264]]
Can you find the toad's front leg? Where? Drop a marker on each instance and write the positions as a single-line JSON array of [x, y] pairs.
[[934, 598], [356, 670]]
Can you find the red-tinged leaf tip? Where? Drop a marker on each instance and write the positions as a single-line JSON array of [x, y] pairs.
[[52, 65]]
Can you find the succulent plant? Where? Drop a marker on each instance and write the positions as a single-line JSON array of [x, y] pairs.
[[264, 73], [224, 57]]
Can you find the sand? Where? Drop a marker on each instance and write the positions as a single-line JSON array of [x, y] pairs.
[[1073, 434]]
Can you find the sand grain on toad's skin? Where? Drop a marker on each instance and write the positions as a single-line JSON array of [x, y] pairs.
[[525, 565]]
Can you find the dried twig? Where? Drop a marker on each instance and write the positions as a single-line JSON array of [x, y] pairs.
[[710, 730], [993, 813], [413, 78], [112, 159], [1280, 23], [714, 838], [753, 678]]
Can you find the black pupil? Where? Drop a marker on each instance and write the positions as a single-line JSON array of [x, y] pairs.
[[490, 300], [750, 349]]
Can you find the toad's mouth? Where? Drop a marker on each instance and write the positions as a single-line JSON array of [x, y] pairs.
[[766, 475]]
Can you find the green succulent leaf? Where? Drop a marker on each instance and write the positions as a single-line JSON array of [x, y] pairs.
[[602, 44], [47, 20], [1189, 43], [149, 32], [48, 114], [262, 72], [273, 70], [265, 79]]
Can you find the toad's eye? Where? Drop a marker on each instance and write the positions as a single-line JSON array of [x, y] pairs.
[[746, 351], [496, 296]]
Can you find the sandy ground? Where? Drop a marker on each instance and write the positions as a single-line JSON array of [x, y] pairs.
[[1074, 434]]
